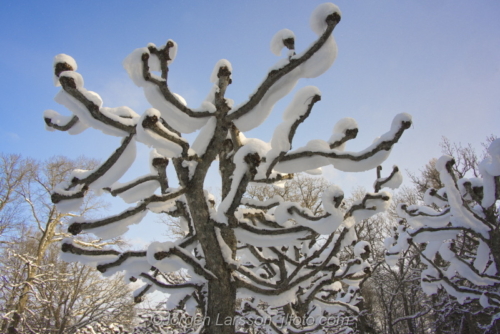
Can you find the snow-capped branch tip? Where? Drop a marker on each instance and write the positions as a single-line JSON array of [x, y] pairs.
[[392, 181], [197, 267], [283, 38], [166, 55], [56, 197], [151, 122], [63, 63], [362, 206], [58, 124]]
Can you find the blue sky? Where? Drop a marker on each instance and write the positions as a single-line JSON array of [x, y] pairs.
[[437, 60]]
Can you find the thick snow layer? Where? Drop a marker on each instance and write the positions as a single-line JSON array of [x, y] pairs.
[[339, 131], [328, 198], [493, 164], [202, 141], [114, 229], [114, 173], [168, 264], [395, 181], [277, 41], [63, 58], [85, 259], [176, 118], [72, 205], [250, 146], [214, 78], [343, 164], [62, 120], [275, 300], [257, 203], [373, 206], [461, 215], [482, 256], [172, 115], [312, 67], [133, 66], [164, 146], [430, 199], [319, 15], [266, 240], [123, 115], [137, 193], [359, 249], [131, 267], [489, 188]]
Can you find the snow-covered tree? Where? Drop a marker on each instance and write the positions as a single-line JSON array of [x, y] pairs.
[[457, 234], [235, 251]]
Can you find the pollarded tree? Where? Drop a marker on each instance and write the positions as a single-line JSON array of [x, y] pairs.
[[457, 234], [229, 250]]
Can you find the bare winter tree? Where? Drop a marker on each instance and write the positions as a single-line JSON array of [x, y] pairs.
[[40, 293], [13, 171], [230, 250], [457, 235]]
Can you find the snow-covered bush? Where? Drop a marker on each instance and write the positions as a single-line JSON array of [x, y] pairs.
[[457, 235], [275, 256]]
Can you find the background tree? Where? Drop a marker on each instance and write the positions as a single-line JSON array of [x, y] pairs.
[[40, 292], [13, 171], [456, 236], [228, 250]]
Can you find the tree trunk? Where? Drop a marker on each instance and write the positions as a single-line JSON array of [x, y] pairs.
[[221, 298], [221, 313]]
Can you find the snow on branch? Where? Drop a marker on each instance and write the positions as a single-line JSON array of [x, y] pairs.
[[318, 153]]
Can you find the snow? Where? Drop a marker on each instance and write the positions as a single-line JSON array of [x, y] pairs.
[[319, 15], [114, 229], [489, 188], [172, 52], [114, 173], [250, 146], [168, 264], [203, 139], [344, 164], [164, 146], [176, 118], [227, 254], [120, 114], [277, 41], [394, 182], [133, 266], [63, 58], [214, 78], [312, 67], [266, 240], [273, 299], [461, 216], [430, 199], [339, 130], [137, 193], [359, 248], [85, 259], [263, 109], [133, 66], [493, 163], [257, 203], [62, 120]]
